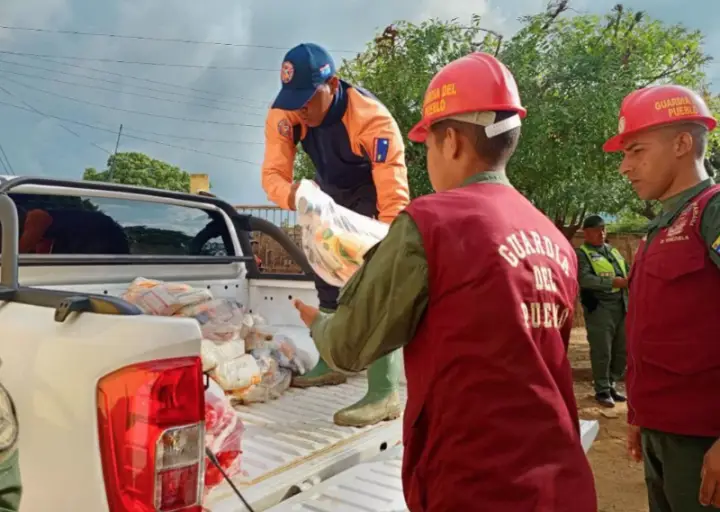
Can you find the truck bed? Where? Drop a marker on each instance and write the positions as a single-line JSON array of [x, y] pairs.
[[374, 486]]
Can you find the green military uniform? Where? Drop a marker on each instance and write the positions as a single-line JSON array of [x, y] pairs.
[[381, 306], [673, 462], [10, 486], [604, 308]]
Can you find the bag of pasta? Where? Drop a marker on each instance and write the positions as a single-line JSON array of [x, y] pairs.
[[334, 238]]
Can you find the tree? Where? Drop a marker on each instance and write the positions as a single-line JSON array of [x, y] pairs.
[[573, 73], [397, 67], [139, 169]]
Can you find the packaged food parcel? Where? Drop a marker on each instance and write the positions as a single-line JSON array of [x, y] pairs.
[[223, 436], [163, 299], [275, 380], [334, 238], [220, 319], [214, 352], [237, 375]]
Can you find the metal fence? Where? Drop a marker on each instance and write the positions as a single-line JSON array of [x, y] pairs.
[[275, 259]]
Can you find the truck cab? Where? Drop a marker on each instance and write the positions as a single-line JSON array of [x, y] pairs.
[[105, 394]]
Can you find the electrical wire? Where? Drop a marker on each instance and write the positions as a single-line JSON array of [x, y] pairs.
[[123, 84], [152, 38], [5, 167], [136, 130], [125, 135], [120, 91], [125, 76], [130, 111], [33, 109], [140, 63], [9, 165]]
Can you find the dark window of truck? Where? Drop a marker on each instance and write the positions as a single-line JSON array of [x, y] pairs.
[[51, 224]]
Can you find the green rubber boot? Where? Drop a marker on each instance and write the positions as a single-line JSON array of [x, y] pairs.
[[382, 401], [321, 375]]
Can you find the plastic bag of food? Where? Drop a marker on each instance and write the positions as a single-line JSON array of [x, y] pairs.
[[237, 375], [275, 381], [286, 353], [257, 333], [223, 436], [213, 353], [334, 238], [220, 319], [163, 299]]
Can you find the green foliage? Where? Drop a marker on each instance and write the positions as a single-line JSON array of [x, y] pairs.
[[573, 74], [139, 169], [628, 222], [397, 67]]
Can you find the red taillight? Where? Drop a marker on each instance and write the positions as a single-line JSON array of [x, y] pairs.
[[152, 436]]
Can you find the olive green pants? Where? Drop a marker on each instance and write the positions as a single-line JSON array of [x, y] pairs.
[[606, 337], [672, 470], [10, 485]]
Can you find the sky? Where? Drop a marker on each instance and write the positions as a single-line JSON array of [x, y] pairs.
[[198, 114]]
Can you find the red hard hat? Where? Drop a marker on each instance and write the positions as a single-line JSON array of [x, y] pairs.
[[658, 105], [475, 83]]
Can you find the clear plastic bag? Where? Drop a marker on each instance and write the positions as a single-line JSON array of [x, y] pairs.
[[237, 375], [223, 436], [275, 380], [220, 319], [334, 238], [163, 299], [213, 353]]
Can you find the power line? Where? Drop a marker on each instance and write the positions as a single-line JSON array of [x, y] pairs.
[[4, 166], [140, 63], [137, 130], [148, 80], [9, 165], [130, 111], [33, 109], [149, 38], [114, 82], [127, 136], [120, 91]]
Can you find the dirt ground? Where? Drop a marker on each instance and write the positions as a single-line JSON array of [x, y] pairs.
[[619, 481]]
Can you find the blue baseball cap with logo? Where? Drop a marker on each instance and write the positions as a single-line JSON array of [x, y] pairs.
[[305, 68]]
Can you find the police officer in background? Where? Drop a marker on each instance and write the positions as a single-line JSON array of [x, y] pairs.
[[602, 274], [10, 486], [673, 379]]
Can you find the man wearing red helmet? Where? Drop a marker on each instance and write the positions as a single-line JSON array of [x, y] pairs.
[[478, 287], [673, 356]]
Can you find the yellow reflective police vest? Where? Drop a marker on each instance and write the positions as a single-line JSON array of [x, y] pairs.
[[602, 266]]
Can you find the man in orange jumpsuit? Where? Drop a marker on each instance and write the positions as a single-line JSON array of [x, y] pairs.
[[479, 287], [359, 157]]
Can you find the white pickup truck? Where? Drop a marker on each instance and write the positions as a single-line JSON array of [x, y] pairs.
[[108, 400]]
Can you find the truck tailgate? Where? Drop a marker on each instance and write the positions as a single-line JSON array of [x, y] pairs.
[[374, 486], [51, 369]]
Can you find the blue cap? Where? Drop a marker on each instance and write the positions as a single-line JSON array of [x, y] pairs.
[[305, 68]]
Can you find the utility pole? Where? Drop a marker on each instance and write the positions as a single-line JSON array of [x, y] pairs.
[[117, 145]]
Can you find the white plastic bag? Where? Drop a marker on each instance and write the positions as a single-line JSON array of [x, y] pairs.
[[213, 353], [275, 381], [237, 374], [334, 238], [163, 299], [223, 435]]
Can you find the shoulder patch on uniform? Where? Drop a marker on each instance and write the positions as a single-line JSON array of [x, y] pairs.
[[716, 245], [8, 421], [381, 149], [285, 128]]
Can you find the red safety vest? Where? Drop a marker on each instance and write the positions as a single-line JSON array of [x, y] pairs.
[[491, 421], [673, 338]]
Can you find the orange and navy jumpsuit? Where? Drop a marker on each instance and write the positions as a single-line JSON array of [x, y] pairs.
[[359, 158]]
